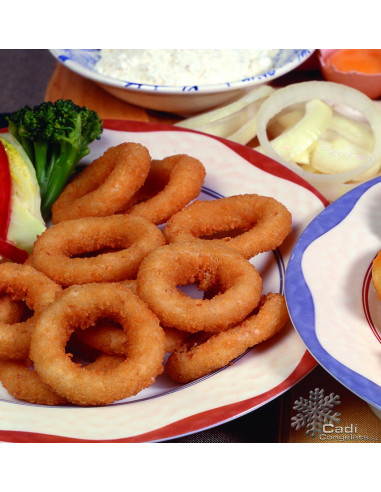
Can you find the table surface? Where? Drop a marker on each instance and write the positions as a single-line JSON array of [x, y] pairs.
[[25, 77]]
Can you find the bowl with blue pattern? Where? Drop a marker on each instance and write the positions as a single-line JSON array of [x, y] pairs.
[[185, 99]]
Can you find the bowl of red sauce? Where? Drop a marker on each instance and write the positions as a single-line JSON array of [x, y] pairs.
[[360, 69]]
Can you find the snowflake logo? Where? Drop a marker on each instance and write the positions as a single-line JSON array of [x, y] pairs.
[[315, 411]]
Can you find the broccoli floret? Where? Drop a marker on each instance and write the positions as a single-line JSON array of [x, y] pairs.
[[56, 136]]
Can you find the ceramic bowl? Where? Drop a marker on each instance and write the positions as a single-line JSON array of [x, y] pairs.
[[175, 99]]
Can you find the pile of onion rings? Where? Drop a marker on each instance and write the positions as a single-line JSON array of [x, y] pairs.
[[97, 312]]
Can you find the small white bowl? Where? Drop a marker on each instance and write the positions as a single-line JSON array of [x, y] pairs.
[[181, 100]]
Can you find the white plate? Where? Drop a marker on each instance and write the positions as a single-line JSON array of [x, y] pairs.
[[166, 410], [329, 293]]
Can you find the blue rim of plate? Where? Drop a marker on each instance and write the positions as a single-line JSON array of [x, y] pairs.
[[300, 302]]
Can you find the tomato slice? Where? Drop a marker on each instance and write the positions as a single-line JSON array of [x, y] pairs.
[[5, 193], [7, 249]]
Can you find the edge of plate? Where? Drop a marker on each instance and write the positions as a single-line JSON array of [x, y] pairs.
[[297, 290]]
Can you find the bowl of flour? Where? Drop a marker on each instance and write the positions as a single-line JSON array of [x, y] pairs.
[[180, 81]]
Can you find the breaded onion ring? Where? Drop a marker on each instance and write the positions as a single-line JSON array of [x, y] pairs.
[[106, 185], [23, 283], [189, 363], [174, 338], [171, 184], [79, 307], [105, 362], [106, 337], [22, 382], [10, 311], [263, 223], [112, 340], [376, 274], [206, 265], [131, 284], [132, 237]]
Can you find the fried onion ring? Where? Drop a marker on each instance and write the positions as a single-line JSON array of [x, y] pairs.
[[174, 339], [23, 283], [10, 311], [189, 363], [376, 274], [106, 185], [22, 382], [262, 223], [171, 184], [205, 264], [108, 338], [134, 237], [112, 340], [79, 307], [105, 362]]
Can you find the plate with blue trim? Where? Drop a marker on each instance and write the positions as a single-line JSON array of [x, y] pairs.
[[329, 291]]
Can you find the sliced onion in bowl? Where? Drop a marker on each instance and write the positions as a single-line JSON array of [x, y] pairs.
[[332, 93], [299, 137]]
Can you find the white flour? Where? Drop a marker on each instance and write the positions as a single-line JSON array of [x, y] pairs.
[[183, 67]]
